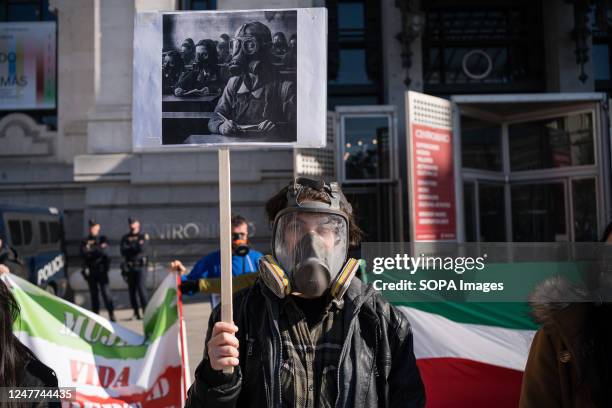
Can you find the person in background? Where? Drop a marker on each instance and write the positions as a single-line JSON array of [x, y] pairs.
[[203, 78], [188, 52], [19, 367], [245, 260], [133, 267], [96, 264], [570, 360], [279, 46], [223, 51], [172, 69], [308, 333], [290, 58], [10, 259]]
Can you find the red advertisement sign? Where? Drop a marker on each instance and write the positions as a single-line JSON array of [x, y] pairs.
[[433, 185]]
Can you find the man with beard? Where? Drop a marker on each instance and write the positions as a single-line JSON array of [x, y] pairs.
[[187, 51], [204, 77], [255, 98], [172, 69], [309, 333]]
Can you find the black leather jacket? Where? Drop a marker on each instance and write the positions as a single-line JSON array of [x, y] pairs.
[[37, 374], [377, 365]]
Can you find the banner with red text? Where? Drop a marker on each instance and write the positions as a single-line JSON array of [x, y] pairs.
[[106, 363]]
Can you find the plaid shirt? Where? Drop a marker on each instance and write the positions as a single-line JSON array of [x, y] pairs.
[[310, 355]]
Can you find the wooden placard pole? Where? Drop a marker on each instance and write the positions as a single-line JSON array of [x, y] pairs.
[[225, 232]]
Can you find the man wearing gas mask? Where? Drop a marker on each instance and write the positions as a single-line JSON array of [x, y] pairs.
[[309, 333], [255, 98], [204, 77], [245, 260]]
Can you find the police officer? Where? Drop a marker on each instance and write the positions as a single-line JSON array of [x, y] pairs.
[[134, 265], [96, 264]]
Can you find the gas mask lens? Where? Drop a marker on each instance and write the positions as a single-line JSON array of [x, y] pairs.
[[248, 45], [311, 247]]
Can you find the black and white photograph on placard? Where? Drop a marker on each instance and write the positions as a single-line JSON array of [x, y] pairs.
[[229, 77]]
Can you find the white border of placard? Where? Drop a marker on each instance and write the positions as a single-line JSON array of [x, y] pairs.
[[311, 84]]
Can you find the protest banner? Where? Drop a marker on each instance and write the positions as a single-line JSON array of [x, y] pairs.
[[109, 365]]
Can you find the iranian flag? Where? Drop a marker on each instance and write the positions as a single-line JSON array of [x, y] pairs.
[[108, 364], [471, 354]]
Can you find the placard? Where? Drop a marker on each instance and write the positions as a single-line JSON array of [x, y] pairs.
[[231, 78]]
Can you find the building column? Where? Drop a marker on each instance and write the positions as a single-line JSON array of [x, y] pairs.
[[109, 126]]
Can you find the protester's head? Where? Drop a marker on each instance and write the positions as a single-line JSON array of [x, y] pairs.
[[249, 47], [11, 350], [313, 227], [134, 225], [607, 235], [94, 227], [240, 235], [293, 41]]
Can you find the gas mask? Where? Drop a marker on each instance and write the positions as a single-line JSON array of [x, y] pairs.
[[240, 245], [247, 47], [309, 246]]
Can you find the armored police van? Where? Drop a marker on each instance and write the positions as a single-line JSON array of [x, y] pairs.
[[36, 237]]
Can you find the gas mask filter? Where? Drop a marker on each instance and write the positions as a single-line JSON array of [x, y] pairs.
[[310, 245], [240, 245]]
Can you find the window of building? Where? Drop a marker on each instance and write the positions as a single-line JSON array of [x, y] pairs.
[[198, 4], [24, 11], [355, 53], [480, 144], [366, 154], [601, 28], [558, 142], [480, 47], [538, 212]]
